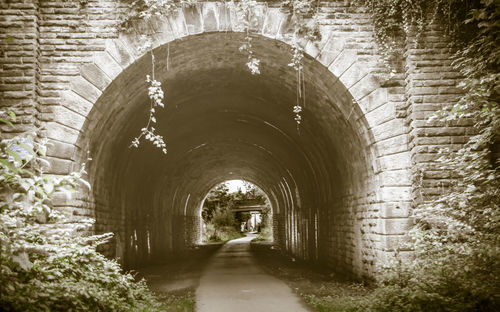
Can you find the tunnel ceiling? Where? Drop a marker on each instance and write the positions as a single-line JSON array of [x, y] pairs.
[[221, 122]]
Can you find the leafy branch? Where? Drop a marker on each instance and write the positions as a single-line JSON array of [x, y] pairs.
[[47, 260], [156, 96], [243, 10]]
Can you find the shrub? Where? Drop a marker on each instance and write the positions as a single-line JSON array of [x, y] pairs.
[[456, 264], [46, 261]]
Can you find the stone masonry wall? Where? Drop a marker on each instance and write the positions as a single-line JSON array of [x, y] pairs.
[[19, 52], [58, 57]]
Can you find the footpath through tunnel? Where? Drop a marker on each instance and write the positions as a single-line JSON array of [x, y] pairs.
[[221, 123]]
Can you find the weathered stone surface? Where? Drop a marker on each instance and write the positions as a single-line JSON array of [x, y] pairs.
[[85, 89], [341, 184], [107, 64], [95, 76]]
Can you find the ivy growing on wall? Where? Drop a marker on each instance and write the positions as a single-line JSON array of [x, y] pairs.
[[456, 263]]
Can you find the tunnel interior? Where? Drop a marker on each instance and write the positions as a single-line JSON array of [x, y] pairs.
[[221, 123]]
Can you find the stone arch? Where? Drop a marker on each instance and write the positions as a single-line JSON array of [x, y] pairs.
[[369, 216]]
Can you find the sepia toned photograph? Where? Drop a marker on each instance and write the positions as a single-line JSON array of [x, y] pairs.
[[250, 155]]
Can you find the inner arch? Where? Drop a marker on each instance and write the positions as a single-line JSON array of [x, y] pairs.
[[222, 123]]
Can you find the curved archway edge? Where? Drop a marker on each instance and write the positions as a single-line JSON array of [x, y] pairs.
[[374, 111]]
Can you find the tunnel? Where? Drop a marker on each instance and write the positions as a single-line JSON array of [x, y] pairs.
[[221, 123]]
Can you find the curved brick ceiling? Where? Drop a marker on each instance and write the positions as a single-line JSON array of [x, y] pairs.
[[221, 123]]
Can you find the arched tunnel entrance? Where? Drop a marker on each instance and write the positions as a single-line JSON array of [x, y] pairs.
[[221, 123]]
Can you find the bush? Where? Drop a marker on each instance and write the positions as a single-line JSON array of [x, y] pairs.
[[456, 264], [220, 234], [46, 261], [266, 234]]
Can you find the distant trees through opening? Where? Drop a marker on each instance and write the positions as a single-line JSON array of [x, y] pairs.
[[233, 208]]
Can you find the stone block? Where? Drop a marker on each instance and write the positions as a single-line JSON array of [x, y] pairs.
[[342, 62], [224, 17], [68, 117], [56, 131], [193, 20], [286, 28], [381, 114], [119, 53], [107, 64], [132, 42], [395, 193], [333, 47], [365, 86], [373, 100], [208, 13], [95, 76], [395, 161], [258, 17], [353, 74], [396, 177], [178, 24], [393, 210], [60, 149], [75, 102], [163, 33], [394, 242], [393, 226], [389, 129], [59, 166], [85, 89]]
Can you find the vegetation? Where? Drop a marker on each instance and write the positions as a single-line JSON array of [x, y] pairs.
[[306, 28], [265, 235], [456, 260], [221, 223], [266, 226], [46, 260], [178, 301], [316, 285], [456, 264]]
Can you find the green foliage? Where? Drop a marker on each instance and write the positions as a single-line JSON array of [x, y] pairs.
[[46, 261], [303, 17], [179, 301], [456, 263], [221, 223], [221, 233], [224, 217], [244, 11], [265, 235], [216, 198], [140, 10], [156, 95]]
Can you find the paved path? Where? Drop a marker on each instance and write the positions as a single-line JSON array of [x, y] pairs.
[[233, 281]]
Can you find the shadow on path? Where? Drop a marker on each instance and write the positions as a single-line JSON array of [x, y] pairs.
[[181, 274], [233, 281]]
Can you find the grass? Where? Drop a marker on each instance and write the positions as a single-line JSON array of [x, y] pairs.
[[266, 235], [178, 301], [319, 288], [221, 234]]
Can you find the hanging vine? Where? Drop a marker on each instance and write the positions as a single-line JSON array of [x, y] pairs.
[[243, 10], [305, 23], [304, 18], [156, 96]]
